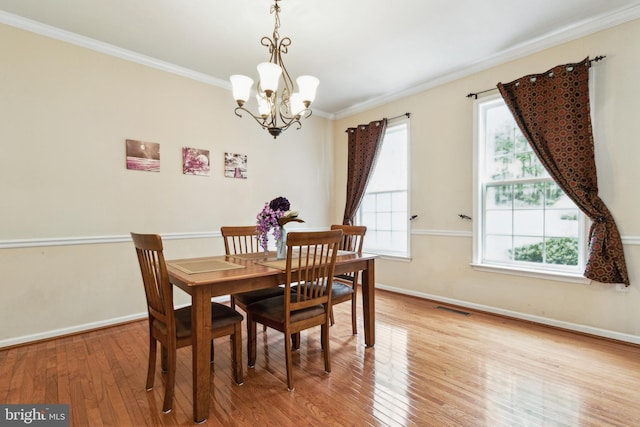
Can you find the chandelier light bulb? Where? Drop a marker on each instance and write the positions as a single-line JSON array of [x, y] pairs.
[[264, 108], [269, 76], [241, 86], [308, 86], [296, 104]]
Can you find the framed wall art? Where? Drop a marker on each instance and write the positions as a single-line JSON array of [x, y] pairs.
[[235, 165], [143, 156], [195, 161]]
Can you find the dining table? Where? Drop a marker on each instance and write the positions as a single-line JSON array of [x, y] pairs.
[[204, 278]]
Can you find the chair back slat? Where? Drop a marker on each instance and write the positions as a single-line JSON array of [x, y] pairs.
[[240, 239], [155, 278], [352, 237], [311, 258]]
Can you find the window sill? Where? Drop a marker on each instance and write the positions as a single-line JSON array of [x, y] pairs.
[[389, 257], [537, 274]]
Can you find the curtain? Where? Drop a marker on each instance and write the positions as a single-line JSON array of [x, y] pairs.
[[552, 111], [364, 144]]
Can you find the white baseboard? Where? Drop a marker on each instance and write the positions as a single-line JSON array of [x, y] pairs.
[[634, 339]]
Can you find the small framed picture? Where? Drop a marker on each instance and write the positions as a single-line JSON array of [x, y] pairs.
[[143, 156], [235, 165], [195, 161]]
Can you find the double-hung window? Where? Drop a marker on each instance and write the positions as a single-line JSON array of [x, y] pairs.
[[385, 204], [523, 220]]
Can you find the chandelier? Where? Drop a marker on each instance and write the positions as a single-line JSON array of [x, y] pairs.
[[277, 109]]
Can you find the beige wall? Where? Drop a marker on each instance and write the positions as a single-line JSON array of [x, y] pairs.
[[66, 112], [64, 189], [442, 187]]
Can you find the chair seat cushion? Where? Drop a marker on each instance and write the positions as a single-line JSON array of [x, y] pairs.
[[339, 291], [273, 308], [250, 297], [221, 316]]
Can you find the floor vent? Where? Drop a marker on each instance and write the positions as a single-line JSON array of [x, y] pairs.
[[453, 310]]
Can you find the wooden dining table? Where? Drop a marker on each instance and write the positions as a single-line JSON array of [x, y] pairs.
[[207, 277]]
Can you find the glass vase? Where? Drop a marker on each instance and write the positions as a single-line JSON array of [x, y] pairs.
[[281, 244]]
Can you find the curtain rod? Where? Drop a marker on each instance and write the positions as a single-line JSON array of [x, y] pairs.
[[475, 95], [408, 115]]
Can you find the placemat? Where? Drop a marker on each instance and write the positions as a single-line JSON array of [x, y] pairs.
[[204, 266], [281, 264], [253, 255]]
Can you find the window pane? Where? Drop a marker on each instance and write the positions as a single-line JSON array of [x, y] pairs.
[[499, 197], [562, 251], [399, 221], [561, 223], [528, 222], [368, 203], [384, 221], [528, 195], [498, 248], [368, 220], [399, 201], [383, 202], [498, 222], [529, 249], [527, 165]]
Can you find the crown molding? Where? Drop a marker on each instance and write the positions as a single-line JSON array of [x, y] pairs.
[[567, 34], [107, 49]]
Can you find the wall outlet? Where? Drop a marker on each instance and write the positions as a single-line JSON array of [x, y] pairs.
[[620, 287]]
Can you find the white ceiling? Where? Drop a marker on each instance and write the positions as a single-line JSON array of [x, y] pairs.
[[363, 52]]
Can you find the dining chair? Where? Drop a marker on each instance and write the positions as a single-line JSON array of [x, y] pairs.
[[240, 240], [310, 263], [171, 327], [345, 286]]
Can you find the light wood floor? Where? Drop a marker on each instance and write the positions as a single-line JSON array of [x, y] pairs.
[[430, 367]]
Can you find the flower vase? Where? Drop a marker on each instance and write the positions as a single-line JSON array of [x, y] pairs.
[[281, 244]]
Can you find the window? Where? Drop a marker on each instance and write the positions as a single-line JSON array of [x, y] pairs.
[[524, 220], [385, 205]]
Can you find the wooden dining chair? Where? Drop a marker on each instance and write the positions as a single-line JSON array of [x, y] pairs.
[[345, 286], [310, 263], [242, 240], [172, 328]]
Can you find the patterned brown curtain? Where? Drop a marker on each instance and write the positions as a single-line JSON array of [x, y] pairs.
[[364, 143], [552, 111]]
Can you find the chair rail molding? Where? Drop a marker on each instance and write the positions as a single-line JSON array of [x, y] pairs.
[[92, 240]]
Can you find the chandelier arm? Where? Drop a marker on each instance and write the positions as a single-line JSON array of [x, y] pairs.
[[259, 119]]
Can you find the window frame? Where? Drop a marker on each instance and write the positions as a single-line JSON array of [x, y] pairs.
[[406, 254], [545, 271]]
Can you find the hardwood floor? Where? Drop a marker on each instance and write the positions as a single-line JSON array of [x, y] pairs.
[[430, 367]]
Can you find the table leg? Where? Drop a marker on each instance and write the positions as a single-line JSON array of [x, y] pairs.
[[368, 303], [201, 352]]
